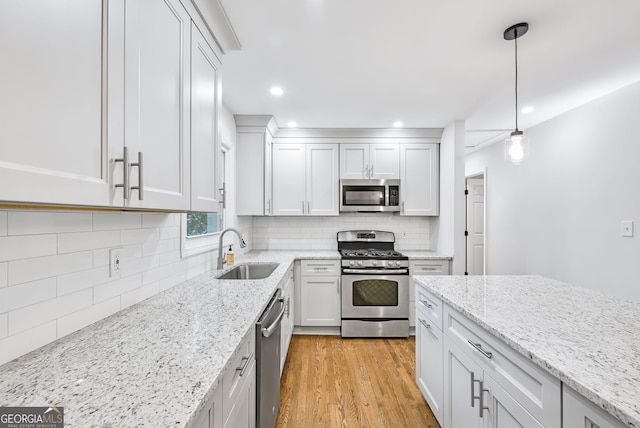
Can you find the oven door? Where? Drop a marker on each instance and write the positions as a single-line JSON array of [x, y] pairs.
[[375, 296]]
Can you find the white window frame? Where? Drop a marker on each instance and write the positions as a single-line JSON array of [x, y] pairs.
[[192, 245]]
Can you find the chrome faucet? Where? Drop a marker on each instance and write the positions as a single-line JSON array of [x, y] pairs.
[[221, 260]]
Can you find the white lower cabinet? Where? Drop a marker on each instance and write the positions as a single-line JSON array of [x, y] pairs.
[[486, 379], [423, 267], [233, 404], [286, 331], [578, 412], [211, 415], [429, 345], [320, 303]]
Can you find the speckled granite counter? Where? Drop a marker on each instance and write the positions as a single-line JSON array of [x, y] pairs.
[[588, 340], [424, 254], [153, 363]]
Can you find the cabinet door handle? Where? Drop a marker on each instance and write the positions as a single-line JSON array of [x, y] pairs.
[[125, 172], [243, 368], [366, 171], [402, 207], [308, 207], [302, 207], [269, 206], [223, 195], [140, 186], [424, 323], [478, 347], [482, 407], [426, 304], [371, 171], [474, 397]]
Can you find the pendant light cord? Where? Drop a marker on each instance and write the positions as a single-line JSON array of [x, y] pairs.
[[516, 45]]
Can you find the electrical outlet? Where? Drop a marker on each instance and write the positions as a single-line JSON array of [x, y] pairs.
[[115, 262], [626, 228]]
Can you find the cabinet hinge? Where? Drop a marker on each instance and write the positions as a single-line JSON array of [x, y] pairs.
[[466, 191], [466, 233]]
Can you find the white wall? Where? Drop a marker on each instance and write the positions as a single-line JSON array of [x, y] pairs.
[[448, 231], [54, 265], [319, 233], [559, 214]]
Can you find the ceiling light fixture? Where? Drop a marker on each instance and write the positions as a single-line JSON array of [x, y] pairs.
[[276, 91], [516, 147], [292, 124], [527, 109], [397, 124]]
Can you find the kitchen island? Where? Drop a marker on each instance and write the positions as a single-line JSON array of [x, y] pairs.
[[587, 340]]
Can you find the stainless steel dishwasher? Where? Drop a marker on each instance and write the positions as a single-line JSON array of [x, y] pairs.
[[268, 362]]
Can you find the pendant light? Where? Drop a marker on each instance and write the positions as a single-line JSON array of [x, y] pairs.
[[516, 147]]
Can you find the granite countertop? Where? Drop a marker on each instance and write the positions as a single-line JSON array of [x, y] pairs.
[[587, 339], [424, 254], [153, 364]]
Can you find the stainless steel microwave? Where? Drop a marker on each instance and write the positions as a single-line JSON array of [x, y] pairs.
[[369, 195]]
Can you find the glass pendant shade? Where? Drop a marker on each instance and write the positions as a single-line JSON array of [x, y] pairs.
[[516, 148]]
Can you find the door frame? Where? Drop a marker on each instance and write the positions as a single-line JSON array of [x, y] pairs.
[[477, 174]]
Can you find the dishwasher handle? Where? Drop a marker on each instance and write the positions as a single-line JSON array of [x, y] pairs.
[[267, 331]]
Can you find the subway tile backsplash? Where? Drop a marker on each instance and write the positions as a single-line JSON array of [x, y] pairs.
[[54, 270], [319, 233]]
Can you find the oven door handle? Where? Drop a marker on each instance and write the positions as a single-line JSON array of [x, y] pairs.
[[377, 271]]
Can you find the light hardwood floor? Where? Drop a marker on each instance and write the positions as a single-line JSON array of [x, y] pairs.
[[333, 382]]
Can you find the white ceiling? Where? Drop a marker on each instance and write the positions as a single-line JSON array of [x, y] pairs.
[[368, 63]]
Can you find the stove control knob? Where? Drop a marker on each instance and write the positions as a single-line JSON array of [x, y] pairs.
[[390, 263], [359, 262], [398, 264], [351, 263], [375, 263]]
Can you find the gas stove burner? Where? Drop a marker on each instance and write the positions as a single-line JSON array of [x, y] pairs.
[[371, 253]]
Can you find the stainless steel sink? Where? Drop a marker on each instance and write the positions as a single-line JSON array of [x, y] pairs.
[[250, 271]]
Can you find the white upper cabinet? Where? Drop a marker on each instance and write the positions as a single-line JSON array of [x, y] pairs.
[[362, 160], [205, 140], [289, 179], [419, 179], [157, 103], [253, 164], [305, 179], [53, 147], [322, 182]]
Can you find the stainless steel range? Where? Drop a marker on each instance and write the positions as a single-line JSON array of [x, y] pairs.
[[375, 285]]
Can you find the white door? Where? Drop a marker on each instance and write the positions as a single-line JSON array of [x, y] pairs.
[[429, 364], [354, 161], [157, 101], [503, 410], [289, 179], [205, 138], [462, 384], [320, 301], [384, 161], [323, 187], [52, 145], [419, 179], [475, 226]]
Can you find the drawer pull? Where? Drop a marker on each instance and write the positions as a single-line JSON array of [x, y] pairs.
[[426, 304], [244, 366], [428, 268], [478, 347], [424, 323]]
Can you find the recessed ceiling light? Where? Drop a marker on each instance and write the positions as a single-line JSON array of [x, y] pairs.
[[527, 109], [397, 124], [292, 124], [277, 91]]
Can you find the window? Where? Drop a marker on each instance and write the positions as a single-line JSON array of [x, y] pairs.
[[200, 231]]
